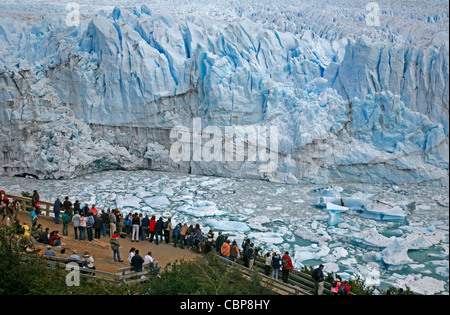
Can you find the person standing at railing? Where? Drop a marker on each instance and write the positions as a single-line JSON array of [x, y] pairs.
[[151, 228], [98, 225], [105, 222], [112, 223], [65, 221], [158, 230], [77, 206], [135, 224], [276, 264], [115, 246], [76, 224], [226, 249], [318, 277], [286, 266], [33, 218], [57, 209], [183, 232], [145, 223], [68, 207], [234, 251], [83, 221], [89, 226], [176, 234], [267, 264], [198, 241], [251, 255], [35, 201]]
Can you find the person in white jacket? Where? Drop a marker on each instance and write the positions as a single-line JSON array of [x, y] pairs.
[[76, 223]]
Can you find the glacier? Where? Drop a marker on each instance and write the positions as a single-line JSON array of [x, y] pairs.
[[351, 101]]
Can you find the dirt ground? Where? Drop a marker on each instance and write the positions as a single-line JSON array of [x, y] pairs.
[[101, 250]]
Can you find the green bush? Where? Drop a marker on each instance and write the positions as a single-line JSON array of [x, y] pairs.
[[22, 274], [206, 275]]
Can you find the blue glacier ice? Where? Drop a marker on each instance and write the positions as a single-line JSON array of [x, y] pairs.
[[352, 102]]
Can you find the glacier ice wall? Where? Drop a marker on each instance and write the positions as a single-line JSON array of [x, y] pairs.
[[351, 102]]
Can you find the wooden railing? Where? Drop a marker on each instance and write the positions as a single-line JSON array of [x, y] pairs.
[[25, 204], [274, 285]]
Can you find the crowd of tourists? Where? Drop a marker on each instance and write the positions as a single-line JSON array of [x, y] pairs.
[[89, 223]]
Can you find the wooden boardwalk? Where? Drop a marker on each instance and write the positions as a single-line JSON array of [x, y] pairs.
[[299, 283]]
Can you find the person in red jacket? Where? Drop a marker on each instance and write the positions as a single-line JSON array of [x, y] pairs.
[[344, 288], [54, 239], [286, 267], [151, 228]]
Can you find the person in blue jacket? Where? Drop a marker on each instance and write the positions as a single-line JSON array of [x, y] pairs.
[[176, 234], [57, 209], [198, 241], [158, 230]]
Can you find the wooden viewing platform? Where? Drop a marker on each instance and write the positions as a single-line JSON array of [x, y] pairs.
[[299, 283]]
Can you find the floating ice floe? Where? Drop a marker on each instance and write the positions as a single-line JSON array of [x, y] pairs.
[[419, 284], [201, 208], [314, 251], [334, 211], [369, 209], [224, 225], [256, 223], [158, 201], [319, 235], [395, 256], [371, 239], [128, 201], [267, 237]]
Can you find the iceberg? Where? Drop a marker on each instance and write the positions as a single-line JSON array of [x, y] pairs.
[[128, 202], [371, 239], [334, 211], [201, 208], [158, 201], [395, 256], [421, 284], [227, 225], [314, 251]]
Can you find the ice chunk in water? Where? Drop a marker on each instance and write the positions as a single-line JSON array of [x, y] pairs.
[[128, 202], [158, 201], [395, 256], [313, 251], [334, 211], [371, 239], [227, 225], [201, 208]]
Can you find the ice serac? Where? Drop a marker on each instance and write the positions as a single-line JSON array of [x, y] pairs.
[[351, 102]]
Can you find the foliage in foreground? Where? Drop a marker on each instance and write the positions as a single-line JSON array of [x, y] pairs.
[[27, 275], [22, 274], [206, 275]]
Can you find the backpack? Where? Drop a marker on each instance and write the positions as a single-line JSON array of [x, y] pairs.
[[342, 290], [284, 263], [165, 225], [316, 274]]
